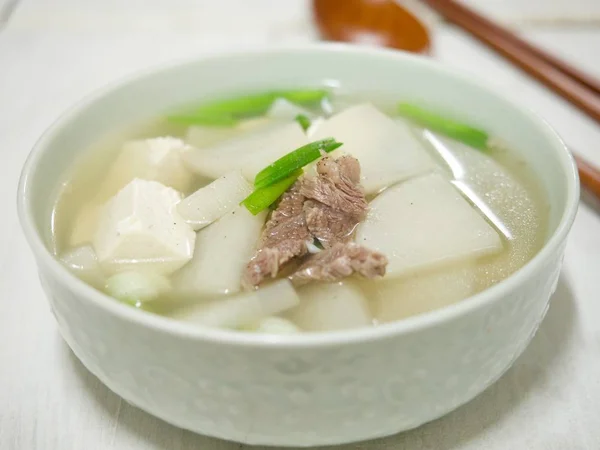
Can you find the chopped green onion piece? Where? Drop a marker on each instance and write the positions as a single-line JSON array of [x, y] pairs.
[[461, 132], [295, 160], [264, 197], [304, 96], [303, 121], [227, 112], [247, 106], [207, 120]]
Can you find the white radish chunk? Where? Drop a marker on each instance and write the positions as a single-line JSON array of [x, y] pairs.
[[242, 309], [222, 251], [399, 298], [424, 223], [502, 192], [204, 136], [331, 306], [490, 186], [273, 325], [214, 200], [139, 228], [137, 287], [285, 110], [85, 225], [315, 124], [82, 261], [276, 325], [249, 153], [388, 150], [157, 159]]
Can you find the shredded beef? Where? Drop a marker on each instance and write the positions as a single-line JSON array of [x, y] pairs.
[[335, 200], [285, 237], [340, 261], [328, 207]]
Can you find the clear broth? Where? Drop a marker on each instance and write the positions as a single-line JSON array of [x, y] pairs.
[[497, 177]]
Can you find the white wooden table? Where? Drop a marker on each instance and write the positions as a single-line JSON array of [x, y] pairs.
[[52, 53]]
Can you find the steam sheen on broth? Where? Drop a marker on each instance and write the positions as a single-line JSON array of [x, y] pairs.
[[434, 214]]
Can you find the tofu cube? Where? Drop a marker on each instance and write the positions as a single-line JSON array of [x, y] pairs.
[[140, 229], [424, 223], [387, 150], [157, 159]]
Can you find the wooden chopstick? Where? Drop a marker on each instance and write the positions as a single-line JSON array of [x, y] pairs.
[[589, 176], [575, 86], [579, 88], [454, 7]]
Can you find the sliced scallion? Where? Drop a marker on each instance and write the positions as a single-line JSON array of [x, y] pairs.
[[304, 97], [264, 197], [202, 119], [303, 121], [229, 111], [461, 132], [246, 106], [295, 160]]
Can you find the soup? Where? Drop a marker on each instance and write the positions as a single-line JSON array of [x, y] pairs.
[[298, 211]]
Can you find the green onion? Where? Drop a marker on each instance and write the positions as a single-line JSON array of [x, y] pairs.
[[264, 197], [247, 106], [295, 160], [461, 132], [303, 96], [303, 121], [207, 120], [229, 111]]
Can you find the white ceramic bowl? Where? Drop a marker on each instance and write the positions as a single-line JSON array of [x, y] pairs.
[[313, 389]]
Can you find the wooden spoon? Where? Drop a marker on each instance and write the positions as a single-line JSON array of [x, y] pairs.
[[379, 22], [387, 24]]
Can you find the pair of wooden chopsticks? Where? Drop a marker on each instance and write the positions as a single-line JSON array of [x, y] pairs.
[[578, 88]]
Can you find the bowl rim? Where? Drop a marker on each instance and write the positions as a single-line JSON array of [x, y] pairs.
[[185, 330]]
